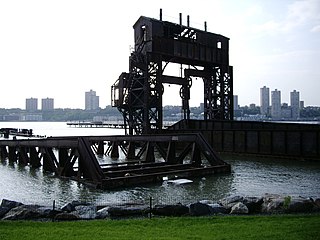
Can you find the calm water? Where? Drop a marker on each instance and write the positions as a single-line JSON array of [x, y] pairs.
[[253, 177]]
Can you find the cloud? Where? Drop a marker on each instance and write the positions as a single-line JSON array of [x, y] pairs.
[[301, 13], [316, 29]]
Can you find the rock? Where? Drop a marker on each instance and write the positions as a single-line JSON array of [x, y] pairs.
[[300, 205], [102, 213], [86, 212], [3, 211], [317, 204], [229, 202], [200, 209], [273, 204], [47, 212], [239, 208], [23, 212], [66, 217], [69, 207], [232, 199], [170, 210], [254, 204], [128, 211], [10, 204], [78, 203], [218, 209]]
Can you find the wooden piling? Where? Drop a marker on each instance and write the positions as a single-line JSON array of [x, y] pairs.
[[35, 161], [100, 149], [114, 150]]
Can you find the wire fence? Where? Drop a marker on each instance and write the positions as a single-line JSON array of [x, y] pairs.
[[146, 207]]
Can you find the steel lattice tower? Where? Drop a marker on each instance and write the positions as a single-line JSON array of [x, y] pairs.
[[138, 93]]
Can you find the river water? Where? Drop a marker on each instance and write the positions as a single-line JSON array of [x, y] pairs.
[[250, 176]]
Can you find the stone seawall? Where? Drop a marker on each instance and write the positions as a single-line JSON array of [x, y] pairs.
[[267, 204]]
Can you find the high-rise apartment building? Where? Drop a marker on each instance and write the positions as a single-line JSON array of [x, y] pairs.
[[295, 104], [91, 100], [235, 102], [47, 104], [276, 104], [32, 104], [264, 100]]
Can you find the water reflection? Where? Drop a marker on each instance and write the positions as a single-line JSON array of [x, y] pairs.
[[250, 176]]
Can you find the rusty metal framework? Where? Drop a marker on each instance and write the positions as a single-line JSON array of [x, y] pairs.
[[144, 158], [138, 93]]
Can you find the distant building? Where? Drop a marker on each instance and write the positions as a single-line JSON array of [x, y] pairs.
[[202, 107], [31, 117], [276, 104], [285, 111], [252, 106], [47, 104], [235, 102], [32, 104], [295, 104], [91, 100], [301, 105], [264, 100]]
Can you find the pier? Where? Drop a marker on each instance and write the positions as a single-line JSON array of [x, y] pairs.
[[146, 158], [96, 124], [6, 132]]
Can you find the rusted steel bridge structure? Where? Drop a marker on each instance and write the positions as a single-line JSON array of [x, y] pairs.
[[146, 159], [199, 53]]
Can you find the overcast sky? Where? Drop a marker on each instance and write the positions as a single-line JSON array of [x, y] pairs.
[[62, 48]]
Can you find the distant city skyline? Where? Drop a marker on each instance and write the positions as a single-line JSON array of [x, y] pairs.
[[92, 101]]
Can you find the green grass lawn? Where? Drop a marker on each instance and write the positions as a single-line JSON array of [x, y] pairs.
[[224, 227]]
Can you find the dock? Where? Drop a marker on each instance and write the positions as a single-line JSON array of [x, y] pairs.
[[96, 124], [146, 158]]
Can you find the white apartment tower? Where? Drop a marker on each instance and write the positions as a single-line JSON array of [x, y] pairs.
[[32, 104], [276, 104], [264, 100], [91, 100], [47, 104], [295, 104]]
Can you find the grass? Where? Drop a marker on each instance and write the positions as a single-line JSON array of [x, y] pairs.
[[227, 227]]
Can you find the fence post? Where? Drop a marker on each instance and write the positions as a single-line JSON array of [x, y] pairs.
[[150, 202], [53, 209]]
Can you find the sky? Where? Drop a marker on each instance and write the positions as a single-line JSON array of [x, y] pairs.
[[62, 48]]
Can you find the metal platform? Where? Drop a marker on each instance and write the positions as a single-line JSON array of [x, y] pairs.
[[136, 159]]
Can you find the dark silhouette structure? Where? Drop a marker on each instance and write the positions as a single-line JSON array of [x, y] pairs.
[[138, 93]]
